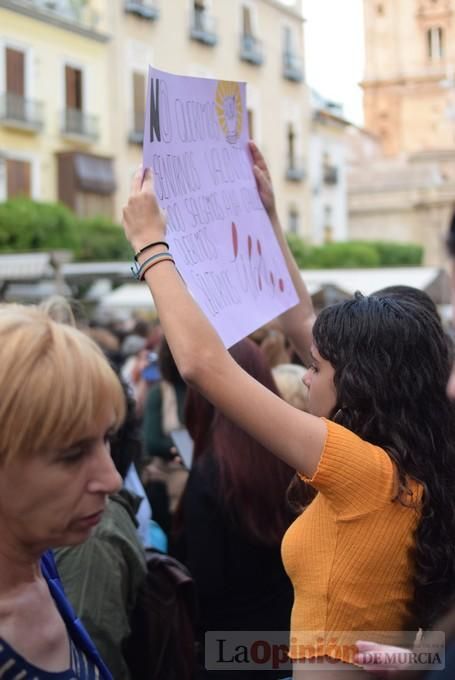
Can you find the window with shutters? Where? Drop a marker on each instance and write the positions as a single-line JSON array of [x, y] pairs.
[[328, 228], [293, 220], [15, 72], [292, 61], [199, 14], [73, 88], [288, 43], [15, 84], [250, 45], [246, 20], [75, 119], [136, 132], [138, 101], [291, 147], [435, 43], [295, 171], [18, 178], [203, 25]]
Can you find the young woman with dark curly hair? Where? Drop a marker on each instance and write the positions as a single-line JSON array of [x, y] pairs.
[[374, 551]]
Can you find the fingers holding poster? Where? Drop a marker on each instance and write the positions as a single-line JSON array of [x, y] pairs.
[[195, 140]]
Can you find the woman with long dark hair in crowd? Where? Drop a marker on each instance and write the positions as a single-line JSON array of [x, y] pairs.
[[233, 517], [374, 550]]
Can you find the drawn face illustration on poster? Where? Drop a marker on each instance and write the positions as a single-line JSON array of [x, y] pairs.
[[229, 110]]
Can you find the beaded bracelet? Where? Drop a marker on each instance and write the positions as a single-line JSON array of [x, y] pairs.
[[150, 245], [167, 258], [138, 271]]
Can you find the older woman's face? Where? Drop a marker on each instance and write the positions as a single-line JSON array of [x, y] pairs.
[[56, 498]]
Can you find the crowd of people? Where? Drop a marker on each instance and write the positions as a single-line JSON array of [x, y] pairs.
[[319, 503]]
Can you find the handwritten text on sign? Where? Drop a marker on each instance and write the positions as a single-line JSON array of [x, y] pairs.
[[195, 140]]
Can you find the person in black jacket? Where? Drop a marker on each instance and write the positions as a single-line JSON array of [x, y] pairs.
[[233, 516]]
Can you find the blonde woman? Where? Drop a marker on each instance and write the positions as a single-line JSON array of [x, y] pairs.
[[60, 404]]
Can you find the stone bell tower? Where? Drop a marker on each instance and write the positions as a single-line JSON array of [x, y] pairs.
[[409, 80]]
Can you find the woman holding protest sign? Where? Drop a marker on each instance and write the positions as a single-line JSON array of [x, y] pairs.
[[374, 550]]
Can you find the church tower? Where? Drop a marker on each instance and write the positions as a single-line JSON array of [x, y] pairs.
[[409, 81]]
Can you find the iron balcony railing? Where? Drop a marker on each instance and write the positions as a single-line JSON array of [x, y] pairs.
[[76, 122], [19, 111], [292, 67], [295, 169], [136, 134], [251, 49], [147, 9], [203, 27]]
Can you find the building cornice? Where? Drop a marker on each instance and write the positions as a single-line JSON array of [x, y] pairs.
[[50, 17], [284, 9], [404, 80]]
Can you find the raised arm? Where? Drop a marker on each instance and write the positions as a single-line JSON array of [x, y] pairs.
[[201, 357], [297, 322]]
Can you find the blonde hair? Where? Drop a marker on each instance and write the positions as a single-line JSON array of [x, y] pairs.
[[289, 380], [54, 382], [59, 309]]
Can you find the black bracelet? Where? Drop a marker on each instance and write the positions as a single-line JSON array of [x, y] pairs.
[[151, 245]]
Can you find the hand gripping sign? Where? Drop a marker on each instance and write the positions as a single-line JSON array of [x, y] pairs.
[[195, 140]]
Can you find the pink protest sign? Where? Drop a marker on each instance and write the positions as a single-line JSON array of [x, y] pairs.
[[195, 140]]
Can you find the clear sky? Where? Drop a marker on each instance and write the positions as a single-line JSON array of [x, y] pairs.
[[334, 51]]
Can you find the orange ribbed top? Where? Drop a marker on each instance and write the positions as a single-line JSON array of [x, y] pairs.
[[349, 554]]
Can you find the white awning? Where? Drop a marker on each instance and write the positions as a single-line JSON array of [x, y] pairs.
[[130, 296], [26, 267], [369, 280]]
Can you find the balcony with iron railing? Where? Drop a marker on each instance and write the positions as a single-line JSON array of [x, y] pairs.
[[292, 67], [146, 9], [251, 49], [78, 16], [295, 168], [203, 27], [330, 174], [76, 123], [21, 113], [136, 134]]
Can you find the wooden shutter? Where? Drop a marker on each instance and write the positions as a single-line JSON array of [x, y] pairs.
[[287, 40], [247, 28], [15, 72], [17, 178], [251, 123], [291, 146], [73, 85], [138, 100]]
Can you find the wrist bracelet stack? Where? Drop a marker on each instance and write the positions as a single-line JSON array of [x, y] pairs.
[[139, 270], [150, 245]]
